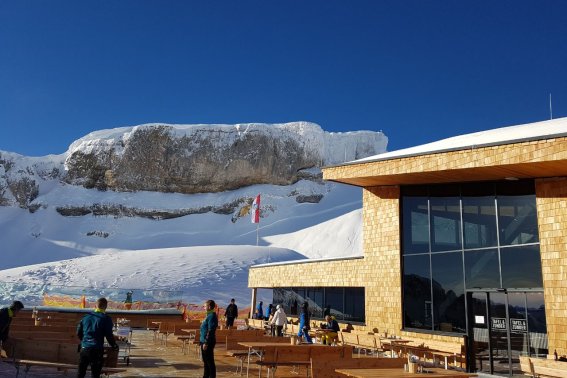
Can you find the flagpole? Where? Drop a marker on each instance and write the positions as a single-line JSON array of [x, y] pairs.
[[257, 229]]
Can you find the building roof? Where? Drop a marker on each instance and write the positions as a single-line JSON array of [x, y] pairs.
[[524, 151], [504, 135]]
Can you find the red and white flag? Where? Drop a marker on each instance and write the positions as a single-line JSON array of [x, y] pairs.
[[256, 210]]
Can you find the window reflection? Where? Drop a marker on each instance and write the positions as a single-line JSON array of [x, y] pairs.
[[518, 267], [345, 303], [488, 228], [448, 292], [517, 219], [354, 304], [416, 232], [481, 269], [445, 224], [417, 292], [479, 220]]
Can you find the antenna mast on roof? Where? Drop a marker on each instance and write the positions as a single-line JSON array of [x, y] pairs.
[[550, 108]]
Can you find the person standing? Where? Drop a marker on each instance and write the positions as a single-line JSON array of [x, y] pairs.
[[92, 330], [128, 300], [231, 313], [6, 315], [259, 311], [269, 311], [327, 311], [304, 323], [279, 320], [208, 340]]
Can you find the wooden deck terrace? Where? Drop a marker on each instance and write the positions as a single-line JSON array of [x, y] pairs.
[[149, 358]]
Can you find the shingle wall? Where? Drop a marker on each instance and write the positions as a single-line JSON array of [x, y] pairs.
[[552, 218]]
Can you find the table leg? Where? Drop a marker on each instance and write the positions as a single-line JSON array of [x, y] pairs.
[[248, 363]]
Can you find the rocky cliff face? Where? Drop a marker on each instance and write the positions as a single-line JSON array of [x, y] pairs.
[[209, 158], [186, 159]]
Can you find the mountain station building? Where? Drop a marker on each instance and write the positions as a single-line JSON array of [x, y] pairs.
[[465, 241]]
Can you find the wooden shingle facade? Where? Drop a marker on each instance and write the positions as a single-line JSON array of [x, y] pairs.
[[541, 160]]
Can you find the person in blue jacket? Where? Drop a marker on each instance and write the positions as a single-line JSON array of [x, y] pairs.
[[92, 330], [207, 339], [259, 311], [269, 311], [304, 324]]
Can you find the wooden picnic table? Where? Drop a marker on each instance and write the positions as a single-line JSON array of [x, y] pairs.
[[258, 347], [190, 330], [400, 373], [393, 343], [320, 332]]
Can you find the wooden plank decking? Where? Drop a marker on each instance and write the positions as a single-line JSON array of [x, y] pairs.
[[153, 359]]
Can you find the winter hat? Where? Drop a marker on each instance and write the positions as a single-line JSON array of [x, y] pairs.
[[278, 307]]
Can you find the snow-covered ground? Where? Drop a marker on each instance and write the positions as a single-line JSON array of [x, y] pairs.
[[202, 255]]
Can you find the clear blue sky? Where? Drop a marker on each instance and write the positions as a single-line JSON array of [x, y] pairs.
[[418, 70]]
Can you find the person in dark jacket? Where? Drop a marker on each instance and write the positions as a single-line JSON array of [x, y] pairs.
[[231, 313], [92, 330], [6, 315], [332, 330], [304, 326], [207, 339]]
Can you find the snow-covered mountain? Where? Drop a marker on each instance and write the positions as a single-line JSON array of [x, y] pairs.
[[56, 229]]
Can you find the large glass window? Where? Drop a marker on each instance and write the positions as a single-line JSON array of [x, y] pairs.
[[459, 237], [344, 303]]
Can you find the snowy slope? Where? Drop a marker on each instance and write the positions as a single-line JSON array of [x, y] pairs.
[[204, 255]]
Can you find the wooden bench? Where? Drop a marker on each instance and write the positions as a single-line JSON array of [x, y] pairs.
[[436, 351], [285, 356], [347, 338], [324, 367], [178, 327], [60, 355], [369, 343], [234, 349], [46, 335], [28, 364], [539, 367], [288, 355], [291, 329], [171, 328]]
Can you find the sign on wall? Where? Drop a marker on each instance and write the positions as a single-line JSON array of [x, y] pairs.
[[498, 324], [518, 325]]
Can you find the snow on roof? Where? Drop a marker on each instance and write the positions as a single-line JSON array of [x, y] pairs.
[[505, 135]]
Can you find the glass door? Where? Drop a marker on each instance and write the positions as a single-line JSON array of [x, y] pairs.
[[499, 333], [479, 358], [503, 327]]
